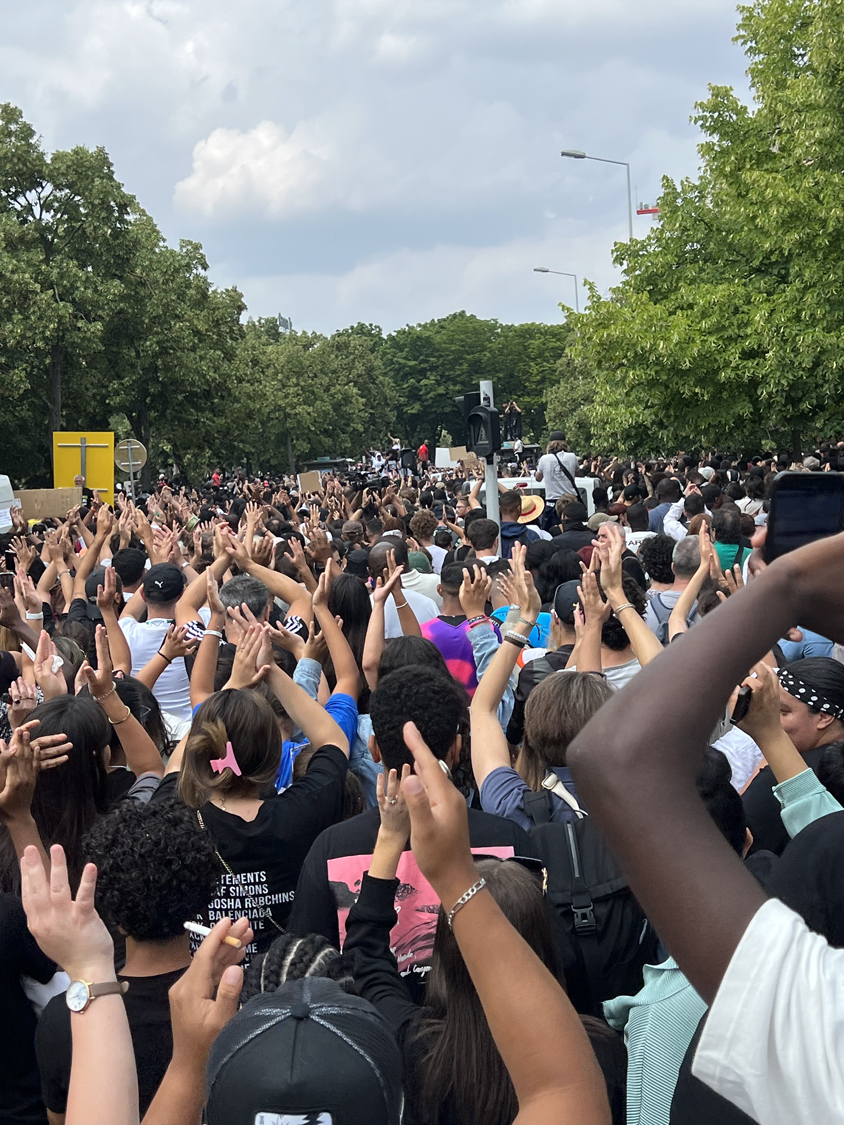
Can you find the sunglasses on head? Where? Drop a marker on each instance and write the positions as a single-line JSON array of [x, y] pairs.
[[534, 866]]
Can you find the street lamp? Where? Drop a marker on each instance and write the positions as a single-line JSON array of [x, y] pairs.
[[576, 154], [562, 273]]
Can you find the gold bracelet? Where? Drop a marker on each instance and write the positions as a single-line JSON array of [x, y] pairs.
[[117, 722]]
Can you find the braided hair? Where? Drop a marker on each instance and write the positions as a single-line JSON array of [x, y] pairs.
[[293, 958]]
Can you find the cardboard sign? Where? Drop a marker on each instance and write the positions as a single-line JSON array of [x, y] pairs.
[[91, 454], [309, 482], [43, 503]]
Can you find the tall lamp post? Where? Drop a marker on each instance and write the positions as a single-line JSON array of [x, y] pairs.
[[562, 273], [576, 154]]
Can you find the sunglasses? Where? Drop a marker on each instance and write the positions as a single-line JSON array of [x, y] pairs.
[[534, 866]]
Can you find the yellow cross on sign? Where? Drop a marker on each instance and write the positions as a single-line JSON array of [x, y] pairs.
[[91, 454]]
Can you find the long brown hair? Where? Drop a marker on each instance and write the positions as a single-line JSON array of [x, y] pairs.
[[556, 447], [557, 710], [244, 718], [461, 1067]]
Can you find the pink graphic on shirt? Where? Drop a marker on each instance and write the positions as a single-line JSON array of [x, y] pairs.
[[417, 905]]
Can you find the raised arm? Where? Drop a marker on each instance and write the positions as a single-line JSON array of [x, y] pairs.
[[118, 645], [537, 1031], [142, 755], [313, 720], [683, 606], [489, 742], [374, 644], [205, 664], [296, 596], [636, 762], [644, 642], [91, 558], [178, 643], [345, 666]]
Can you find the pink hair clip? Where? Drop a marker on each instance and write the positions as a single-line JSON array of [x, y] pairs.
[[229, 762]]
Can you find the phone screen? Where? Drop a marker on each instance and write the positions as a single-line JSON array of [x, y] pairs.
[[800, 515]]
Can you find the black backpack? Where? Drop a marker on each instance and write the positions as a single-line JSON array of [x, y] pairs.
[[601, 932]]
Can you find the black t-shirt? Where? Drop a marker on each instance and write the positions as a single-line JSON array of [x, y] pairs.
[[333, 872], [20, 1090], [574, 537], [762, 809], [266, 854], [148, 1012]]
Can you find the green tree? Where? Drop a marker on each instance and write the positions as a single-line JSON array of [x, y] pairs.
[[728, 323], [569, 401], [64, 222], [170, 345], [430, 364]]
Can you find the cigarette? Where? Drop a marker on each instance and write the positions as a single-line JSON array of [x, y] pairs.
[[204, 931]]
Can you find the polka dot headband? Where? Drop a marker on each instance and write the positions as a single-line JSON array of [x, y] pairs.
[[809, 695]]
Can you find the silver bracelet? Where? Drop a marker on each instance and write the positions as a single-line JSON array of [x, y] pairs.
[[213, 633], [464, 898], [34, 616], [517, 639], [626, 605]]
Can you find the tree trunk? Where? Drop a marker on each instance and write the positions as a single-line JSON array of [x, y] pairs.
[[291, 460], [57, 357], [796, 450], [141, 430]]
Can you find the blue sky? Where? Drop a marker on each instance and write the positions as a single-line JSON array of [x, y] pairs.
[[379, 160]]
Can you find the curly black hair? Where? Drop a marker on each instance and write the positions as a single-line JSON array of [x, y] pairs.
[[613, 633], [293, 958], [156, 868], [421, 695], [656, 555]]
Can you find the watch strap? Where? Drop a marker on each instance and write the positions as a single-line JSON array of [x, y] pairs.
[[108, 988]]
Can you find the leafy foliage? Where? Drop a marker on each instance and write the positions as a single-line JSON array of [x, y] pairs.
[[729, 319]]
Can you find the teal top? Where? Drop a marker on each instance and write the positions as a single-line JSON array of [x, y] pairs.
[[658, 1023], [804, 800]]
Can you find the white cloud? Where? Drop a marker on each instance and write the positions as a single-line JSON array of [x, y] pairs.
[[387, 160]]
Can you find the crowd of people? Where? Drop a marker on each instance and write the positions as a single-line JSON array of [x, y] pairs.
[[357, 805]]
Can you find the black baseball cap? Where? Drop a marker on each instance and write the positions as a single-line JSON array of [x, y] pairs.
[[308, 1051], [163, 583], [565, 600]]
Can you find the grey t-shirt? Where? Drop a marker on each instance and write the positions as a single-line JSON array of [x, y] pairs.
[[556, 482]]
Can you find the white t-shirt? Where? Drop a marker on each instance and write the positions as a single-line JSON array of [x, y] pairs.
[[423, 608], [556, 482], [172, 688], [437, 555], [774, 1038]]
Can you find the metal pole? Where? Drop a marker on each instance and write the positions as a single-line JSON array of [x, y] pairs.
[[131, 472], [491, 468], [629, 205]]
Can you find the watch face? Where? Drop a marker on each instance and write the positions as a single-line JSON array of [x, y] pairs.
[[77, 995]]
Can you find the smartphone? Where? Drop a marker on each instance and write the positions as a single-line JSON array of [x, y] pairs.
[[804, 507], [743, 701]]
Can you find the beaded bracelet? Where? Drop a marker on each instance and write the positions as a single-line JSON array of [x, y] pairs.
[[100, 698], [467, 896]]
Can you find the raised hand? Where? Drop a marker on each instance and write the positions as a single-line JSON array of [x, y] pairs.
[[395, 819], [474, 591], [178, 643], [595, 609], [69, 931], [48, 673], [212, 594], [23, 698], [383, 589], [107, 593], [25, 587], [262, 550], [26, 554], [246, 672], [101, 681]]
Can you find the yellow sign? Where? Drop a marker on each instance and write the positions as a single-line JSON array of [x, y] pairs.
[[91, 454]]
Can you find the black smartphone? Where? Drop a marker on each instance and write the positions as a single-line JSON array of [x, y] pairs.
[[804, 507], [743, 701]]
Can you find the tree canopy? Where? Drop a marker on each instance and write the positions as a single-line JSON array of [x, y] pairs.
[[103, 325], [728, 322]]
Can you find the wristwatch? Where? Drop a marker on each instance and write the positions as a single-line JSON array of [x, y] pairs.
[[80, 993]]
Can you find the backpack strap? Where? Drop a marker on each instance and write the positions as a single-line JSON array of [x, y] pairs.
[[556, 456], [585, 925], [553, 785], [538, 807]]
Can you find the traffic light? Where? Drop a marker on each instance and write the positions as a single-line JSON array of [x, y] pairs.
[[483, 431], [466, 404]]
